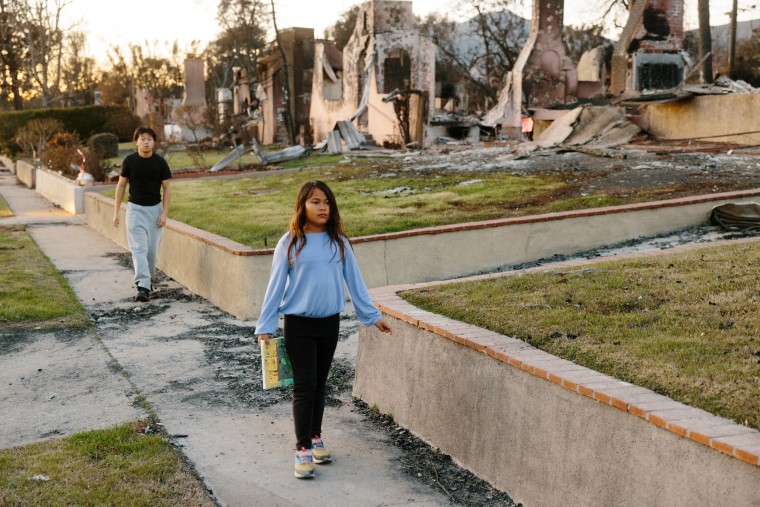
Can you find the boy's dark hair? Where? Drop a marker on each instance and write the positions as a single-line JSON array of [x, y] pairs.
[[144, 130]]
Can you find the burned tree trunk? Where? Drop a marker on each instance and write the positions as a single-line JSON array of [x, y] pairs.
[[288, 113], [705, 41]]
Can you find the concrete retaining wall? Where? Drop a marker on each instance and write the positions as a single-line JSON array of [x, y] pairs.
[[230, 275], [61, 191], [545, 430], [234, 277], [7, 162], [708, 117], [482, 246], [26, 173]]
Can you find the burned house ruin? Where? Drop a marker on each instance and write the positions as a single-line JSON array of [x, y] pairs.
[[285, 105], [384, 78], [543, 75], [648, 54], [382, 83]]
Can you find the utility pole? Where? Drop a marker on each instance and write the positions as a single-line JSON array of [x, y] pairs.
[[705, 41], [732, 41]]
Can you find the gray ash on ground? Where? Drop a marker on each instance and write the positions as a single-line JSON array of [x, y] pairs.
[[14, 339], [236, 356], [126, 315], [160, 289], [434, 468], [123, 259], [231, 349]]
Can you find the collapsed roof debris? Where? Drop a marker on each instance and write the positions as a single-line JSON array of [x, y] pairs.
[[590, 129], [273, 157]]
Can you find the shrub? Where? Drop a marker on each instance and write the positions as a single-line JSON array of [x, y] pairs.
[[62, 153], [33, 137], [121, 122], [104, 145], [86, 121]]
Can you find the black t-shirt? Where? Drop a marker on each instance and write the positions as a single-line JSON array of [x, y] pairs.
[[145, 176]]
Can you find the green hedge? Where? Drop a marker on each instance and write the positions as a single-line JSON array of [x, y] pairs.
[[106, 145], [86, 121]]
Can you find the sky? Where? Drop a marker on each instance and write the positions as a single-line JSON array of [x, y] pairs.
[[160, 22], [187, 20]]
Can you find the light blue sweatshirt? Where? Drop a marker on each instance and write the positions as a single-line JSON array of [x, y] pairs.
[[313, 286]]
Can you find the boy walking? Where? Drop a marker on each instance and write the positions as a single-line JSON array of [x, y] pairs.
[[147, 174]]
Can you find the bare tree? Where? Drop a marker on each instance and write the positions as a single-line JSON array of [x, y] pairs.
[[613, 12], [194, 117], [244, 27], [11, 53], [161, 77], [243, 36], [44, 43], [340, 32], [481, 50], [78, 72], [117, 82], [34, 136]]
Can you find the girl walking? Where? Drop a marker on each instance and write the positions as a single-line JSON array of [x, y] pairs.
[[311, 263]]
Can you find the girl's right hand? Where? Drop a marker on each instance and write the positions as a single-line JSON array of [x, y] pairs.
[[382, 326], [264, 338]]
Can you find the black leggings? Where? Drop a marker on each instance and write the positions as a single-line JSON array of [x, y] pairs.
[[310, 343]]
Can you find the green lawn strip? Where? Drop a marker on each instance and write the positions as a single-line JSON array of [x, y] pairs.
[[5, 211], [373, 199], [32, 290], [119, 466], [686, 325], [590, 201]]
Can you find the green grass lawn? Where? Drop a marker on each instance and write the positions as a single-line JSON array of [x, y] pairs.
[[5, 211], [686, 325], [31, 288], [121, 466], [373, 198]]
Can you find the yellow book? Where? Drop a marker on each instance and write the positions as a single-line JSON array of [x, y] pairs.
[[275, 364]]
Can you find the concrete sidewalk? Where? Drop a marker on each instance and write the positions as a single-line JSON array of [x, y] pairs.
[[187, 358]]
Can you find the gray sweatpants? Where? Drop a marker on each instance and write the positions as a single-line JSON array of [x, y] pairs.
[[143, 236]]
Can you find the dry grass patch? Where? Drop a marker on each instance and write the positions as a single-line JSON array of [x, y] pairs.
[[119, 466], [686, 325]]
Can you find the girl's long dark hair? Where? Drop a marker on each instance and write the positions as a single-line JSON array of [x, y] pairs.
[[333, 227]]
